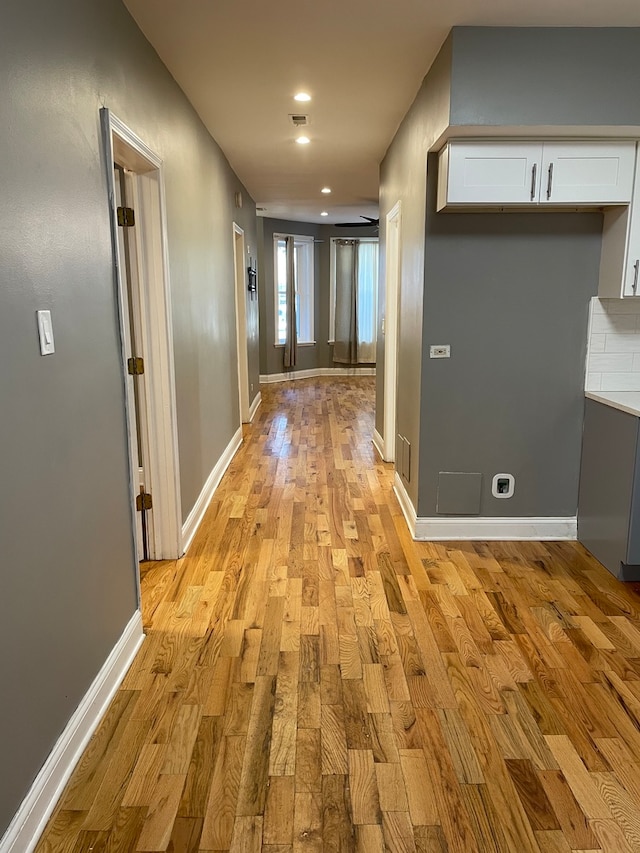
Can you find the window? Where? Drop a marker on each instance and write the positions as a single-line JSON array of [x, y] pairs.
[[303, 274], [367, 289]]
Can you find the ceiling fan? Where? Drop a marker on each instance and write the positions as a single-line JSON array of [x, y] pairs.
[[370, 223]]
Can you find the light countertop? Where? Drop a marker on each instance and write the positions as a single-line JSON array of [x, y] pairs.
[[625, 401]]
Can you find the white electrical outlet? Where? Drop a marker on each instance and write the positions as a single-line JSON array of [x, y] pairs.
[[440, 351]]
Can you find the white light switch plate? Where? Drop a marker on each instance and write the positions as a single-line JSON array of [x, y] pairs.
[[440, 351], [45, 330]]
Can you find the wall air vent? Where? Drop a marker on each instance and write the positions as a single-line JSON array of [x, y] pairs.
[[299, 120]]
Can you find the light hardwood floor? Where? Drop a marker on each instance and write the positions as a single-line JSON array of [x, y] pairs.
[[314, 680]]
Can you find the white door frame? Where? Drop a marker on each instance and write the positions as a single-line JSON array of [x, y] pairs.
[[392, 295], [122, 145], [241, 322], [132, 325]]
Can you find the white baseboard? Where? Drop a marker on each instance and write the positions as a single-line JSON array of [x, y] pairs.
[[254, 406], [378, 443], [194, 518], [406, 505], [265, 379], [32, 816], [483, 529]]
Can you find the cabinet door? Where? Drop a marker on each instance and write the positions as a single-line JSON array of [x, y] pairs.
[[609, 443], [486, 173], [631, 274], [587, 173]]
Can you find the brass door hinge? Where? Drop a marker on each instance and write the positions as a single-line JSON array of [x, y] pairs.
[[126, 217], [143, 501], [135, 366]]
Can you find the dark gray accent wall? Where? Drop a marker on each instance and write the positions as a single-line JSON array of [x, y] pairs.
[[482, 278], [309, 357], [403, 178], [510, 294], [68, 563], [545, 76]]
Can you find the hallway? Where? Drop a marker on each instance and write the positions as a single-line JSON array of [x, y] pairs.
[[314, 680]]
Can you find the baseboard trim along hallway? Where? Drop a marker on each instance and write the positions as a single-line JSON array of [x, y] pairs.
[[483, 529], [194, 518], [378, 443], [266, 379], [31, 818], [254, 406]]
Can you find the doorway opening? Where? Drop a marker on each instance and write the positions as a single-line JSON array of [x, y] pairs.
[[241, 322], [392, 290], [138, 226]]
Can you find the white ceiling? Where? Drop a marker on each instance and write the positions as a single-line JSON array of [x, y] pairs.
[[241, 61]]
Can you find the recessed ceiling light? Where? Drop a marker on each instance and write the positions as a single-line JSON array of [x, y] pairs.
[[324, 213], [303, 140], [302, 96], [325, 190]]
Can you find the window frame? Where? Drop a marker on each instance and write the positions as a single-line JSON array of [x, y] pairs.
[[305, 293]]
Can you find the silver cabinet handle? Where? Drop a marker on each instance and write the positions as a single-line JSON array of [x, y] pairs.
[[635, 276], [534, 169], [549, 181]]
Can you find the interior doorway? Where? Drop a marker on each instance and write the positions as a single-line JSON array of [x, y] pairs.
[[391, 322], [136, 202], [132, 338], [241, 321]]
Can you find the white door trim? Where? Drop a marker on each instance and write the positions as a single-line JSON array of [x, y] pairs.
[[241, 322], [131, 296], [392, 290], [122, 144]]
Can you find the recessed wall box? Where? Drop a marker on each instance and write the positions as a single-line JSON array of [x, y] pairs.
[[503, 486], [459, 493]]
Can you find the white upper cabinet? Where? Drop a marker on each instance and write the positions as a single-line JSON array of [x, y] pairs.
[[587, 173], [489, 173], [620, 256], [631, 279], [531, 174]]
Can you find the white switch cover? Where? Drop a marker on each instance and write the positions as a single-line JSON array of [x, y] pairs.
[[45, 330], [440, 351]]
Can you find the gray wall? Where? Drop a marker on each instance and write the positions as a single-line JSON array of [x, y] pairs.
[[510, 294], [518, 278], [526, 279], [403, 178], [68, 580], [309, 357], [545, 76]]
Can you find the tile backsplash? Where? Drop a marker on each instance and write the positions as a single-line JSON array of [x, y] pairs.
[[613, 352]]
